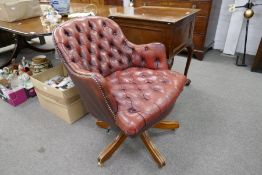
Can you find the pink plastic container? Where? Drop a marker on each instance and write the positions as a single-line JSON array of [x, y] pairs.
[[16, 97]]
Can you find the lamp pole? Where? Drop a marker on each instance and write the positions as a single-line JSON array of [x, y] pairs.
[[248, 14]]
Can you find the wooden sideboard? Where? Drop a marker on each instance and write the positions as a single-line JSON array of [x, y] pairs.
[[206, 20], [96, 2]]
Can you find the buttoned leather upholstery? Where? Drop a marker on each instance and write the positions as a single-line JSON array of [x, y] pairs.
[[126, 85]]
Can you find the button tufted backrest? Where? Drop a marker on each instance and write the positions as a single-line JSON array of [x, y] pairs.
[[97, 44]]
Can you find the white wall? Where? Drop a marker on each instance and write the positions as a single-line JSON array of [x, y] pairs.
[[255, 28]]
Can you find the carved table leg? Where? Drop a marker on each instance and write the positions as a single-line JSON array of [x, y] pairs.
[[42, 40], [111, 148], [167, 125], [159, 159], [36, 48], [18, 47], [189, 58], [20, 43]]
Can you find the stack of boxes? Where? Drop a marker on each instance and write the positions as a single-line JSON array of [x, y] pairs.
[[17, 84], [65, 103]]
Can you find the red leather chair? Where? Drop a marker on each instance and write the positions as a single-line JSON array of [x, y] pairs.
[[127, 87]]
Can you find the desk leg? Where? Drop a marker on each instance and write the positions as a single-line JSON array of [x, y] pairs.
[[42, 40], [189, 58], [27, 45], [20, 43]]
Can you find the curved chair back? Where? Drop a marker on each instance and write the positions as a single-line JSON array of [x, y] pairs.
[[95, 44], [91, 49]]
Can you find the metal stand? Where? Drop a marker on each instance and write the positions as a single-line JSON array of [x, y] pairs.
[[243, 64], [248, 14]]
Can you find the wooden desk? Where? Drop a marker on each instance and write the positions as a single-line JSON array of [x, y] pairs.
[[28, 28], [171, 26], [206, 20]]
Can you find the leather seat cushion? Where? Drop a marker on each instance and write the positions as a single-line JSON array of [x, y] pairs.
[[143, 95]]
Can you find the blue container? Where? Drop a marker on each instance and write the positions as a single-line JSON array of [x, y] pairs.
[[61, 6]]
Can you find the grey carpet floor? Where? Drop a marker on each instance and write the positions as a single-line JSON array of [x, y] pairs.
[[221, 131]]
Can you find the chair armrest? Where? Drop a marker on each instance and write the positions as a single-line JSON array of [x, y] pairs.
[[152, 56], [95, 94]]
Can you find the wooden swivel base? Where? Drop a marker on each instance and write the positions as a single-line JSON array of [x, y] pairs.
[[111, 148]]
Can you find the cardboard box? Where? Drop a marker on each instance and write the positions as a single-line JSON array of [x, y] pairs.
[[65, 104]]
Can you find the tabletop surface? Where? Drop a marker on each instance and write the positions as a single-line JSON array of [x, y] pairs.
[[34, 27], [153, 13]]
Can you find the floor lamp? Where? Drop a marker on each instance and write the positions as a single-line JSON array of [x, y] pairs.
[[248, 14]]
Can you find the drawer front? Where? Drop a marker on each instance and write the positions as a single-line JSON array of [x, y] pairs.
[[133, 29], [199, 41], [201, 25]]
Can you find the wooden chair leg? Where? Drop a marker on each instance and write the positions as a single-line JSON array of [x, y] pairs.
[[165, 124], [111, 148], [159, 159], [102, 124]]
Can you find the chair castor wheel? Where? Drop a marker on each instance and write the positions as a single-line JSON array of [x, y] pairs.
[[188, 81], [100, 164]]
